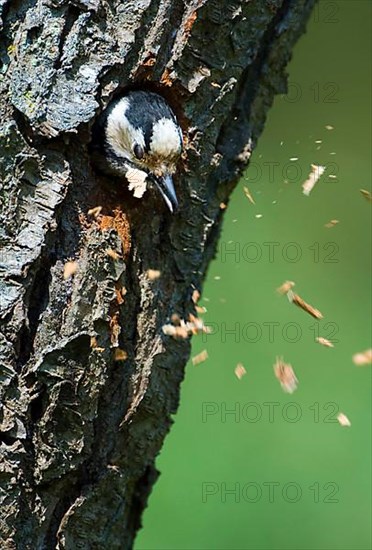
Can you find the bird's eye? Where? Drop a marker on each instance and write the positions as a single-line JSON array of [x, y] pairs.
[[138, 151]]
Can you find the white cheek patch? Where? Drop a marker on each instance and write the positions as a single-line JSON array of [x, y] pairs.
[[114, 130], [121, 135], [137, 182], [166, 139]]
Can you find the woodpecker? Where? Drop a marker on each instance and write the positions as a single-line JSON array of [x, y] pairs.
[[138, 137]]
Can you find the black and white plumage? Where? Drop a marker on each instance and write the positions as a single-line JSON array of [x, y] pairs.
[[138, 137]]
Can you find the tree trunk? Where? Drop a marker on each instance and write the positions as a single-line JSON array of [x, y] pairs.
[[89, 380]]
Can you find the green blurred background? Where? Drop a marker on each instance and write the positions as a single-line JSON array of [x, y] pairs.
[[217, 468]]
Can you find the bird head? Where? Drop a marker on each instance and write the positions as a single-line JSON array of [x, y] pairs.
[[143, 141]]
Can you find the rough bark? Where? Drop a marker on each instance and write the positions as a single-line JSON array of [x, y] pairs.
[[80, 426]]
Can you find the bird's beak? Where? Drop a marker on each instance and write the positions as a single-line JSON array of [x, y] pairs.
[[166, 188]]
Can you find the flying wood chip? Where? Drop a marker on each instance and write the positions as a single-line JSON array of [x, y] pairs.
[[285, 287], [315, 174], [298, 301], [363, 358], [366, 194], [200, 358], [331, 223], [182, 329], [343, 420], [196, 325], [324, 342], [176, 331], [195, 296], [286, 376], [240, 371], [248, 195]]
